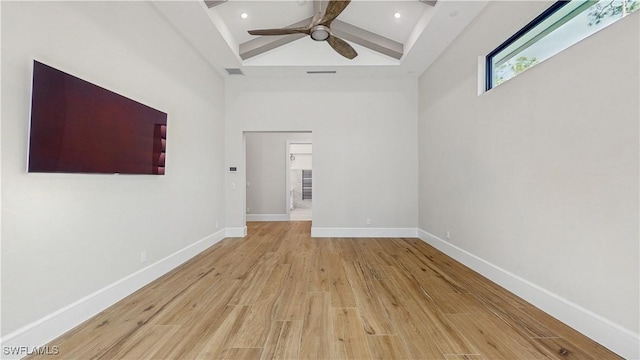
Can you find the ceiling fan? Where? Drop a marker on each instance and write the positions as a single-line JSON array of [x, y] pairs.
[[319, 29]]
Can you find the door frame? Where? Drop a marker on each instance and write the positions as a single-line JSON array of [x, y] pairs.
[[288, 171]]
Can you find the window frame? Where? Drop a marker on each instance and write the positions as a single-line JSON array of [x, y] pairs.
[[489, 83]]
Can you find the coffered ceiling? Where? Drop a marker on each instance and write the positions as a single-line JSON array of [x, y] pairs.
[[392, 38]]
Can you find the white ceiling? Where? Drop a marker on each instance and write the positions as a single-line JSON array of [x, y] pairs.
[[274, 14], [424, 30]]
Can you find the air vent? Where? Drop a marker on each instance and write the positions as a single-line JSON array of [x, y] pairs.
[[322, 72], [234, 71]]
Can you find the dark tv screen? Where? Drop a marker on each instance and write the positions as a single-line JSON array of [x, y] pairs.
[[79, 127]]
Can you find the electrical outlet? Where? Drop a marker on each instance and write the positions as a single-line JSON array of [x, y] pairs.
[[248, 210], [448, 234], [143, 256], [368, 221]]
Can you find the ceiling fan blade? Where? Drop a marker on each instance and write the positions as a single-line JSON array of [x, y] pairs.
[[342, 47], [334, 8], [283, 31]]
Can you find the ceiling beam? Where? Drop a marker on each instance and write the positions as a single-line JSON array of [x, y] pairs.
[[367, 39], [263, 44], [339, 28], [429, 2], [212, 3]]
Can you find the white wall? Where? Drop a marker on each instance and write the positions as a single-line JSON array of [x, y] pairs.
[[539, 176], [302, 162], [266, 155], [303, 156], [65, 236], [364, 144]]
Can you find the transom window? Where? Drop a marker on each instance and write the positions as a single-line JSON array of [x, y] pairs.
[[560, 26]]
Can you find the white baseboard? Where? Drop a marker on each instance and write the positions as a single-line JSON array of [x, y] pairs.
[[616, 338], [364, 232], [267, 217], [236, 232], [53, 325]]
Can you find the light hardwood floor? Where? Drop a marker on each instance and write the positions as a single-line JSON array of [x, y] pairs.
[[279, 294]]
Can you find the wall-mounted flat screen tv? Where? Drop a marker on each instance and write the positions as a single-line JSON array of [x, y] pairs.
[[79, 127]]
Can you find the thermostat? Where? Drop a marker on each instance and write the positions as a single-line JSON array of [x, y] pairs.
[[233, 169]]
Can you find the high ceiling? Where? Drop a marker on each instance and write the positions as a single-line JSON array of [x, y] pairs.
[[218, 31]]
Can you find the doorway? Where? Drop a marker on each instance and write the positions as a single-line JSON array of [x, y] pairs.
[[300, 184], [268, 175]]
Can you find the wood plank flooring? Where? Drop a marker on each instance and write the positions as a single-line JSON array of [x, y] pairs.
[[279, 294]]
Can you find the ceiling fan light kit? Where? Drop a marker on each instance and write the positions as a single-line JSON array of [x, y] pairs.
[[320, 33]]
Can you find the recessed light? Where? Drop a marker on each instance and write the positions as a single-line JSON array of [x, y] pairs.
[[396, 15], [244, 15]]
